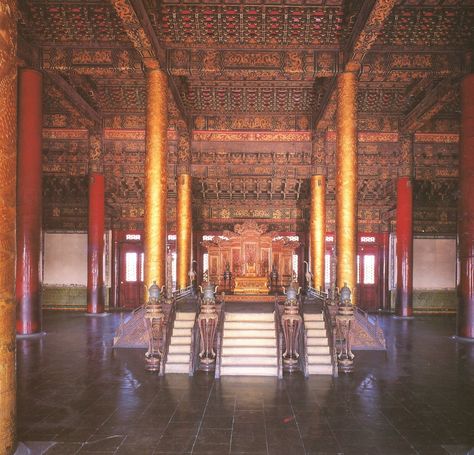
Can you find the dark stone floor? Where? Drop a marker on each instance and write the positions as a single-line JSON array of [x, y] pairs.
[[75, 390]]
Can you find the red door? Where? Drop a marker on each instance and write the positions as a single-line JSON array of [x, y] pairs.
[[131, 275], [368, 277]]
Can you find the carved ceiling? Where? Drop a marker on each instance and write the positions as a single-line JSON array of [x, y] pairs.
[[243, 67], [239, 57]]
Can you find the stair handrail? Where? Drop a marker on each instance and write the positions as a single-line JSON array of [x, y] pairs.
[[179, 294], [279, 339], [220, 337], [331, 335], [306, 356], [195, 343], [166, 335], [372, 328], [316, 294], [303, 345]]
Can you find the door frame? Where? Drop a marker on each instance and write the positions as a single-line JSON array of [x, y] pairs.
[[120, 238]]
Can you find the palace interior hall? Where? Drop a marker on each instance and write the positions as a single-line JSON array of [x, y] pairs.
[[236, 227]]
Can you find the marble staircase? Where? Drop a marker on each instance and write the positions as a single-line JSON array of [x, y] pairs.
[[249, 345], [180, 344], [319, 357]]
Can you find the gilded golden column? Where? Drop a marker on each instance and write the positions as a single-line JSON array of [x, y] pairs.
[[346, 183], [317, 222], [8, 108], [155, 178], [184, 219]]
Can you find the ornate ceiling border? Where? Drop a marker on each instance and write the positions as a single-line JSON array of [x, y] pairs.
[[260, 136], [66, 133]]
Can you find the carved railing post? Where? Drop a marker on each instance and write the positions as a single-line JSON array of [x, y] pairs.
[[344, 322], [207, 321], [291, 322], [154, 322]]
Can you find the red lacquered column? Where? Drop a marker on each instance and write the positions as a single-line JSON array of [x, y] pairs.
[[465, 323], [385, 251], [404, 299], [29, 197], [95, 252]]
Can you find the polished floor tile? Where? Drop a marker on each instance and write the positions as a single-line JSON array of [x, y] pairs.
[[77, 392]]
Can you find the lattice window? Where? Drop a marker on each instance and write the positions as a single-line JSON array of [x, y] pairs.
[[142, 267], [358, 269], [329, 238], [207, 237], [369, 269], [133, 237], [131, 266], [367, 239], [205, 262], [173, 269], [295, 264], [171, 236], [327, 270]]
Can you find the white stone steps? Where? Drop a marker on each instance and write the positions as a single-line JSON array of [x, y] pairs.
[[179, 350], [183, 323], [317, 350], [319, 359], [177, 367], [248, 370], [185, 316], [178, 358], [249, 345], [182, 340], [317, 341], [248, 350], [316, 332], [176, 348], [181, 331], [264, 342], [314, 325], [320, 369], [249, 360], [319, 354], [313, 317], [249, 317], [250, 325], [244, 333]]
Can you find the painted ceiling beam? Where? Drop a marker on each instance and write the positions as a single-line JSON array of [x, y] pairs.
[[74, 97], [368, 26], [430, 105], [140, 31]]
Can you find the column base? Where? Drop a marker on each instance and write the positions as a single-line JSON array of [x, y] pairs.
[[30, 336], [403, 318], [462, 339], [98, 315]]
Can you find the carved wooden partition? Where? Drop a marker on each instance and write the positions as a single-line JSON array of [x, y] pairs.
[[249, 251]]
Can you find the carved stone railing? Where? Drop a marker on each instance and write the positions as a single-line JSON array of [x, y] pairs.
[[156, 319], [291, 323], [316, 294], [279, 339], [220, 337], [372, 327], [170, 316], [329, 323], [195, 343], [330, 326], [304, 360], [180, 294]]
